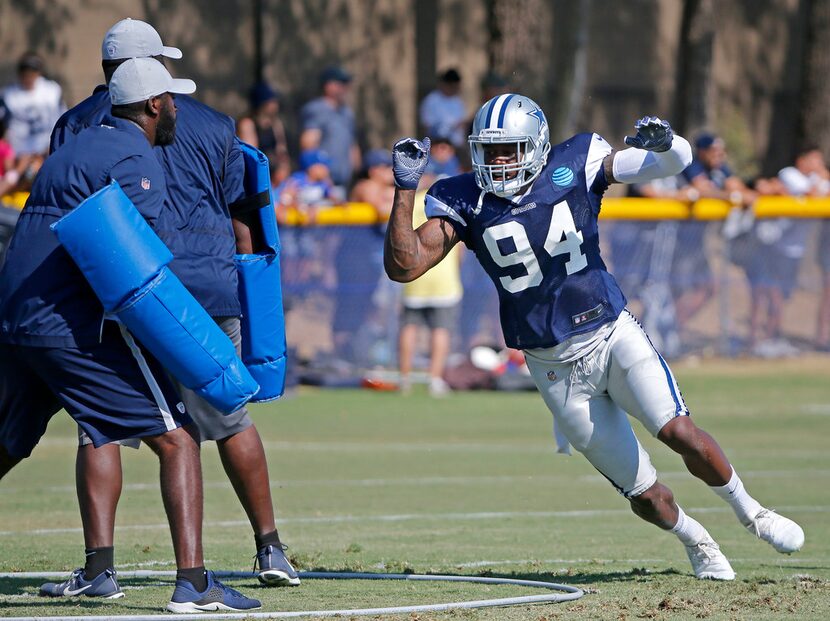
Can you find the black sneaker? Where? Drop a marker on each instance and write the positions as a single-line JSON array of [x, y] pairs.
[[274, 568]]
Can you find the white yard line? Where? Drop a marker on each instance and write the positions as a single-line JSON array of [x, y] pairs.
[[434, 480], [417, 517]]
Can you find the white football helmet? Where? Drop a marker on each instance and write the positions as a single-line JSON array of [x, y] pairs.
[[510, 119]]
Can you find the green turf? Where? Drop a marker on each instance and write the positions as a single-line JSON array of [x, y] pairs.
[[468, 485]]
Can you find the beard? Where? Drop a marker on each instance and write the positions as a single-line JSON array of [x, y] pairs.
[[166, 128]]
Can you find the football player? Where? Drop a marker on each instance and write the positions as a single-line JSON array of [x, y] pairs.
[[529, 213]]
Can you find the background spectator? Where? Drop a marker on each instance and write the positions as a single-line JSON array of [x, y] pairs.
[[8, 173], [492, 84], [643, 253], [442, 111], [359, 257], [33, 105], [783, 242], [823, 329], [311, 186], [304, 252], [443, 160], [328, 124], [264, 129], [711, 177], [431, 301]]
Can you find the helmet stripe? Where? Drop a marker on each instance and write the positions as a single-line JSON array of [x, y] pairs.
[[490, 112], [503, 110], [497, 103]]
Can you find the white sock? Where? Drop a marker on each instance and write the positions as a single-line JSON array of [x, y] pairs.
[[744, 505], [689, 530]]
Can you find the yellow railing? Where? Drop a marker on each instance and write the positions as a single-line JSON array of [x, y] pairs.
[[711, 209], [357, 214]]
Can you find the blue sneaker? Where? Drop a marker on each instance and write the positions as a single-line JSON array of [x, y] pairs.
[[103, 585], [274, 568], [216, 596]]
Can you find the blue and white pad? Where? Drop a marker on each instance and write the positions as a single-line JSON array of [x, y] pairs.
[[112, 244], [126, 264], [260, 289]]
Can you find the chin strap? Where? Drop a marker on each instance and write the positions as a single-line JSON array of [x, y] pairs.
[[480, 203]]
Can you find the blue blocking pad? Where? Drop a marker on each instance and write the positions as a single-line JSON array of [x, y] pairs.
[[126, 264], [260, 289], [263, 322], [112, 244], [257, 181], [168, 321]]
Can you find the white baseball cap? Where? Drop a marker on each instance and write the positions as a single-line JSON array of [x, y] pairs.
[[132, 38], [139, 79]]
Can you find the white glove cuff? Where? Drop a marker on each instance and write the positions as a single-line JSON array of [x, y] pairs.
[[639, 166]]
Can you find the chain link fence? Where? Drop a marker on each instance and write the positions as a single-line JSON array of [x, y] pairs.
[[697, 290]]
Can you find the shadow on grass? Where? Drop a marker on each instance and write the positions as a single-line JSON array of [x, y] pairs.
[[638, 574], [28, 589]]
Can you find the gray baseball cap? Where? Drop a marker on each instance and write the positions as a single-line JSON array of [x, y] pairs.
[[132, 38], [139, 79]]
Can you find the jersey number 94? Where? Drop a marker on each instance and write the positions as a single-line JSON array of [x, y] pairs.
[[562, 238]]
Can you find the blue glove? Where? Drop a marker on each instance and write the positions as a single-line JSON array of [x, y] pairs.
[[652, 135], [409, 160]]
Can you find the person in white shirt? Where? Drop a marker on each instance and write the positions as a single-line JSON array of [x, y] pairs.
[[33, 105], [782, 245], [808, 177]]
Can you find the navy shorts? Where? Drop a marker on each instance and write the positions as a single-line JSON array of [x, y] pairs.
[[114, 390]]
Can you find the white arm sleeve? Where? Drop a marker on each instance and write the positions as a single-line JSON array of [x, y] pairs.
[[639, 166]]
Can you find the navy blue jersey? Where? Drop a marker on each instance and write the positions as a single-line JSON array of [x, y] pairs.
[[541, 250], [205, 173], [44, 299]]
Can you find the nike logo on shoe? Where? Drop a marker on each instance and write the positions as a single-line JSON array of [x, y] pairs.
[[68, 591]]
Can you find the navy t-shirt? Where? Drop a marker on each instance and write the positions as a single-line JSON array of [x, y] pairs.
[[45, 301], [205, 173], [717, 176], [540, 250]]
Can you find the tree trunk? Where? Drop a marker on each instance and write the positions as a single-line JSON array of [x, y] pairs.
[[694, 95], [814, 119]]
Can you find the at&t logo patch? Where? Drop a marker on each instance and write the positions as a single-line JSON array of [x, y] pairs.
[[562, 177]]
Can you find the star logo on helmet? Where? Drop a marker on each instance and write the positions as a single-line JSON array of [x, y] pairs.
[[540, 116]]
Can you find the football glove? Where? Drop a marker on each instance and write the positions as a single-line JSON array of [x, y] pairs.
[[409, 159], [652, 135]]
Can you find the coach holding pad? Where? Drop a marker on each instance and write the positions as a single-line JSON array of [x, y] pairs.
[[58, 351], [205, 171]]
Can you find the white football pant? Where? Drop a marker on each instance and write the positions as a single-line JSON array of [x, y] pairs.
[[589, 399]]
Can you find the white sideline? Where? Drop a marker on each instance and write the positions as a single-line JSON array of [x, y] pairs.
[[565, 593], [412, 517]]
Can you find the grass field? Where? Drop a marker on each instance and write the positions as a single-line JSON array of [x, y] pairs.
[[469, 485]]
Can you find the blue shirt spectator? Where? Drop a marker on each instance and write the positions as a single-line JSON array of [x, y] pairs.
[[328, 124], [310, 187], [443, 161], [442, 111]]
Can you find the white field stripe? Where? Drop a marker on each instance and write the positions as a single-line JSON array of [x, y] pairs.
[[494, 118], [420, 517], [437, 480], [158, 395], [287, 446]]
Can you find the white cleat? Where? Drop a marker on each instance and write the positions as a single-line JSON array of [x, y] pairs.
[[708, 562], [781, 533]]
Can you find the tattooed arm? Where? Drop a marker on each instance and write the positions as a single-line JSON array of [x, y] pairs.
[[408, 253]]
